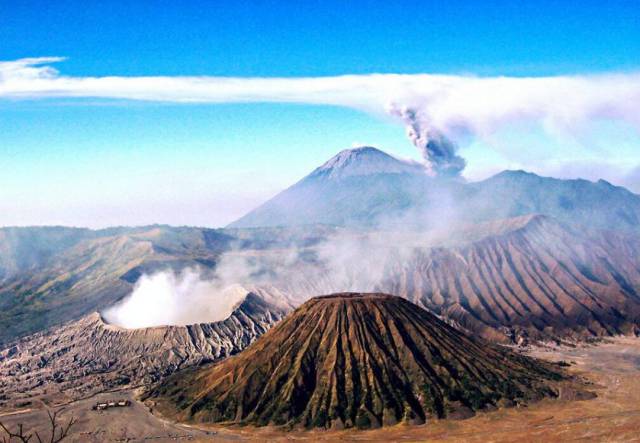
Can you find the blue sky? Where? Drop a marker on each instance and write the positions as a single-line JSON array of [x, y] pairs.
[[96, 163]]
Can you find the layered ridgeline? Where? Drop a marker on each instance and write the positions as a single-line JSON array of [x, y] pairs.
[[366, 187], [88, 356], [514, 280], [508, 280], [50, 275], [356, 360], [527, 277], [502, 276]]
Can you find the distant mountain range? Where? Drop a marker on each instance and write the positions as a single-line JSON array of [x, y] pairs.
[[49, 275], [365, 187], [512, 258], [528, 277]]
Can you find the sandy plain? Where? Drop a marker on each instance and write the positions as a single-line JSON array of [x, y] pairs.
[[612, 369]]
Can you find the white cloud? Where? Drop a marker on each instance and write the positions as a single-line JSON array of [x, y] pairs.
[[452, 105]]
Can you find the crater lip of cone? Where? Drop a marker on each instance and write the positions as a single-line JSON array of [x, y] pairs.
[[355, 296]]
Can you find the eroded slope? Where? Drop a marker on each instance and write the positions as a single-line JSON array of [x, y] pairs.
[[361, 360], [89, 356]]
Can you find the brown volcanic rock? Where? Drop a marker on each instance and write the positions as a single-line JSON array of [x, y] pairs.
[[89, 355], [363, 360], [521, 279], [529, 277], [506, 280]]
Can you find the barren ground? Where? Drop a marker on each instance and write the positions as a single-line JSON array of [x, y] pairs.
[[613, 367]]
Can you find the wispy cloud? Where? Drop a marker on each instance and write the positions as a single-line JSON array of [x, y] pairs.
[[439, 105]]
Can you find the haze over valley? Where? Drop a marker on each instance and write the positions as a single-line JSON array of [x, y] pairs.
[[320, 221], [123, 308]]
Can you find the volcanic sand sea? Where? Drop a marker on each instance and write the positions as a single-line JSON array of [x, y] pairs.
[[613, 366]]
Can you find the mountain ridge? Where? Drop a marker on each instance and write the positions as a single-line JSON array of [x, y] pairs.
[[365, 160], [356, 360], [502, 279], [400, 193]]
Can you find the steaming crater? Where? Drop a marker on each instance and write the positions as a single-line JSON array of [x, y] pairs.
[[93, 356], [167, 298]]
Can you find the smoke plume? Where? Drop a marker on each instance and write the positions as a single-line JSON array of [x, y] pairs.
[[438, 152], [436, 109]]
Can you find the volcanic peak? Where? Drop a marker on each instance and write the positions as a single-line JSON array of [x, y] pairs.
[[356, 360], [365, 160]]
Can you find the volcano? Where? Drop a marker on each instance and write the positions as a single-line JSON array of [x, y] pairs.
[[357, 187], [88, 356], [365, 187], [356, 360]]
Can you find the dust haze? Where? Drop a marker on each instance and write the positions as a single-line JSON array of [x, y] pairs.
[[344, 261]]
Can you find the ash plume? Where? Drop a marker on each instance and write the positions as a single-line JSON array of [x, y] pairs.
[[438, 152], [436, 109]]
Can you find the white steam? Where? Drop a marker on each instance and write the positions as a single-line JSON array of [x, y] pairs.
[[343, 261], [436, 109], [338, 260], [167, 298]]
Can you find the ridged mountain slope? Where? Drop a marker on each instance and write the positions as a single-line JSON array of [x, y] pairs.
[[514, 280], [88, 356], [534, 277], [363, 360]]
